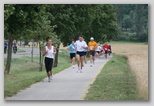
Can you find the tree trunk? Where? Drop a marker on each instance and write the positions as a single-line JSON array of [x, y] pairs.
[[9, 55], [40, 60], [32, 51], [56, 57]]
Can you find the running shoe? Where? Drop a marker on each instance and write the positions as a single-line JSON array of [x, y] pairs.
[[51, 76], [78, 70], [48, 79]]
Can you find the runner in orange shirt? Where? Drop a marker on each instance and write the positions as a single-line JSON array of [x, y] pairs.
[[92, 45]]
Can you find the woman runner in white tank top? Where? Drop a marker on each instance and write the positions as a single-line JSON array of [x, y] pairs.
[[49, 52]]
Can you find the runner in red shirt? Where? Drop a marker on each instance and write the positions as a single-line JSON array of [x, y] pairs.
[[105, 49], [109, 50]]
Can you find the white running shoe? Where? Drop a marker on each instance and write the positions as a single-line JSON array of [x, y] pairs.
[[48, 79], [73, 66], [91, 65], [80, 70], [51, 76]]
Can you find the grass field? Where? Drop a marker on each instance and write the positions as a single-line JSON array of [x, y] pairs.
[[115, 82], [137, 54], [24, 72]]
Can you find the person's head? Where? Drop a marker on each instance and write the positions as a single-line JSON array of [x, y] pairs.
[[91, 39], [49, 41], [73, 41], [80, 38]]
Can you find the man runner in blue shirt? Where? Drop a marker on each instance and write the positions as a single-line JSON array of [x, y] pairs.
[[72, 50]]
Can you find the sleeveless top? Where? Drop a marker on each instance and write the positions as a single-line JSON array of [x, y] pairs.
[[50, 52]]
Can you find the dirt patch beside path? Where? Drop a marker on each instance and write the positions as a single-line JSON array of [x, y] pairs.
[[138, 60]]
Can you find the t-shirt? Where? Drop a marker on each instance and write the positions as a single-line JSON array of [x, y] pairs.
[[72, 48], [79, 45], [109, 47], [92, 45], [99, 48], [105, 47], [50, 52]]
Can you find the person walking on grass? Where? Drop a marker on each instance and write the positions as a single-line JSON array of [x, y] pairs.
[[80, 45], [49, 52], [72, 50], [92, 45]]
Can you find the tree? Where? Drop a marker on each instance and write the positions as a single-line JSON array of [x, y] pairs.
[[13, 24], [134, 17], [26, 21], [127, 22], [141, 17]]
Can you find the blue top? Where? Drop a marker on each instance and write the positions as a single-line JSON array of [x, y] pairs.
[[5, 44], [72, 47]]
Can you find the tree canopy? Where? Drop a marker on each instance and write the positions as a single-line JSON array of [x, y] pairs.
[[61, 22]]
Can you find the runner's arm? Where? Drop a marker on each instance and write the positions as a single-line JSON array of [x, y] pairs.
[[44, 52], [54, 51]]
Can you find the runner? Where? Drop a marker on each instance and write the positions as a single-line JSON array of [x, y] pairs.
[[98, 51], [80, 46], [109, 50], [92, 45], [105, 48], [85, 55], [49, 52], [72, 50]]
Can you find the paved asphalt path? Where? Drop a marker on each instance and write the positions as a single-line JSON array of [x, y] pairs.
[[65, 85], [27, 53]]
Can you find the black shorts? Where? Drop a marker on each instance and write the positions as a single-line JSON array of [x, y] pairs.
[[98, 52], [85, 53], [48, 64], [106, 52], [81, 53], [72, 55], [92, 53]]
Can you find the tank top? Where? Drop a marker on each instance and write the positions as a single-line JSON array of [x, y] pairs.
[[50, 52]]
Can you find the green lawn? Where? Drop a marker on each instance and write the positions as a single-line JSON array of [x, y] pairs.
[[115, 82], [24, 72]]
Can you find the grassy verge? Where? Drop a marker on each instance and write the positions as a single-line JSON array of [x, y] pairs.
[[115, 82], [24, 72], [126, 42]]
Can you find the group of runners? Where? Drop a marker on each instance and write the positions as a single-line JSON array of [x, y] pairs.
[[78, 50]]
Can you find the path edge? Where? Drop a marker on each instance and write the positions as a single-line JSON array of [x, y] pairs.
[[91, 82]]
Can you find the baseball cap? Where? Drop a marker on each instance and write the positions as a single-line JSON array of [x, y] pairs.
[[91, 38]]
